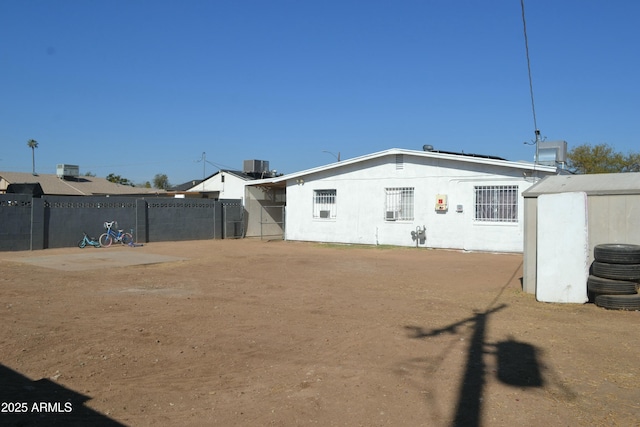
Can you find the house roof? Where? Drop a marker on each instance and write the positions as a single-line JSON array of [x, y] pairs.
[[185, 186], [192, 186], [442, 155], [81, 186], [239, 174], [592, 184]]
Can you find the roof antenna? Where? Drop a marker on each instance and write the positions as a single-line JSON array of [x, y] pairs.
[[533, 105]]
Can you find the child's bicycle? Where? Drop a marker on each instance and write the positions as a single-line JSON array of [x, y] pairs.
[[132, 243], [106, 239], [86, 240]]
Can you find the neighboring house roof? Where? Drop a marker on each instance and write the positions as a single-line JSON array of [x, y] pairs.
[[81, 186], [239, 174], [592, 184], [185, 186], [442, 155]]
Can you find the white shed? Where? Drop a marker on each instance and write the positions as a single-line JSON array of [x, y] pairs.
[[612, 216], [411, 198]]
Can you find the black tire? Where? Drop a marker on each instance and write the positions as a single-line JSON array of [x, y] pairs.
[[614, 253], [600, 285], [619, 302], [81, 244], [616, 271]]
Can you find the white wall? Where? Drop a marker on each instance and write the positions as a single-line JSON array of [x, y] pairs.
[[361, 205], [563, 248]]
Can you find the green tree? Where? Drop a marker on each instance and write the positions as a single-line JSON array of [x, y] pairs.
[[119, 180], [161, 181], [33, 144], [601, 158]]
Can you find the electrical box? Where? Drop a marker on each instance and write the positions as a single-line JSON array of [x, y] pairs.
[[441, 202]]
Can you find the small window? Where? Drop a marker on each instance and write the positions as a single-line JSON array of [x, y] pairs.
[[398, 204], [324, 204], [496, 203]]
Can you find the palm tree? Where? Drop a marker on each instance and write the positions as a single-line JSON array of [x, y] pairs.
[[33, 144]]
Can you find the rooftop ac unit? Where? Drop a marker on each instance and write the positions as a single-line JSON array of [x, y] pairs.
[[258, 166], [552, 152], [67, 171]]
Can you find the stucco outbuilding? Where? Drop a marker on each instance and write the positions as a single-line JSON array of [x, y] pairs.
[[612, 216]]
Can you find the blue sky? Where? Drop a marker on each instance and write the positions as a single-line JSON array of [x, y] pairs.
[[138, 88]]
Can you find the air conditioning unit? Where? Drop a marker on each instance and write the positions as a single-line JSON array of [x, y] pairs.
[[325, 214], [552, 152], [391, 215], [256, 166], [67, 171]]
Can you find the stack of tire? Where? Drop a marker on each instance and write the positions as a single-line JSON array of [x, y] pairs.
[[615, 276]]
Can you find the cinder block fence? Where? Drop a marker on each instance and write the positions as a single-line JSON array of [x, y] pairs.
[[29, 223]]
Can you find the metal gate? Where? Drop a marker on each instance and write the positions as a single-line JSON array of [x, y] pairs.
[[233, 221], [272, 222]]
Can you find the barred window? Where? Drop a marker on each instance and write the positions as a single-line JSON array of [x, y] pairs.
[[398, 204], [496, 203], [324, 204]]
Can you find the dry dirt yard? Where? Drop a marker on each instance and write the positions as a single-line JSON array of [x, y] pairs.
[[256, 333]]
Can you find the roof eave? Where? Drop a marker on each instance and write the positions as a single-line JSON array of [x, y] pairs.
[[393, 151]]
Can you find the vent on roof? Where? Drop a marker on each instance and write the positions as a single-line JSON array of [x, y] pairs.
[[68, 171]]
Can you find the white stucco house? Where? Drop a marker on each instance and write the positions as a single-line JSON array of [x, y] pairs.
[[405, 197], [230, 184], [224, 184]]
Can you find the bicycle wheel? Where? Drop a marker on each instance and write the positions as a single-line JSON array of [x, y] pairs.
[[127, 238], [105, 240], [81, 244]]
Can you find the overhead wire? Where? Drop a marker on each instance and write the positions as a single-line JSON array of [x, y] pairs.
[[526, 46]]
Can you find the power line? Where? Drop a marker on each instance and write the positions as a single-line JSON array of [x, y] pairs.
[[533, 105]]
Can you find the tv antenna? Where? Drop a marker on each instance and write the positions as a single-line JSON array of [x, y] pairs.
[[204, 161]]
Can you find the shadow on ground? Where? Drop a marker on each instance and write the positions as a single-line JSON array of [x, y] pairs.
[[44, 403], [517, 362]]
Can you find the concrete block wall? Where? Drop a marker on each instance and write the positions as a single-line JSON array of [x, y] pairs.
[[28, 223]]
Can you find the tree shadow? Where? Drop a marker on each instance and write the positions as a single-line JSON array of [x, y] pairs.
[[44, 403]]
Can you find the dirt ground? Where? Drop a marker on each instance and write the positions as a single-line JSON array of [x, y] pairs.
[[255, 333]]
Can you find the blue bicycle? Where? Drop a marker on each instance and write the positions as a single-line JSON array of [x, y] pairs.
[[106, 239], [86, 240]]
